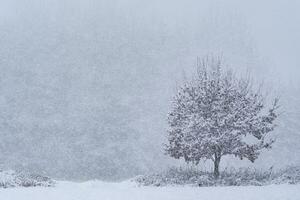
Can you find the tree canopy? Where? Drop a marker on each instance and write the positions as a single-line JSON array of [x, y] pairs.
[[218, 114]]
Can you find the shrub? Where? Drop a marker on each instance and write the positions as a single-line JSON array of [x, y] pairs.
[[19, 179], [228, 177]]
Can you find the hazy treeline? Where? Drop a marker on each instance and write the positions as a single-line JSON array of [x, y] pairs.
[[86, 85]]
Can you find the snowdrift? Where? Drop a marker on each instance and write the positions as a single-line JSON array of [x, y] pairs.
[[97, 190]]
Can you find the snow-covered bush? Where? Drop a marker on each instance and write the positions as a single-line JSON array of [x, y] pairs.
[[244, 177], [19, 179], [172, 176], [228, 177], [289, 175]]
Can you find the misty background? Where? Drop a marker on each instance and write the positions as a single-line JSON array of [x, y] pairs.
[[86, 85]]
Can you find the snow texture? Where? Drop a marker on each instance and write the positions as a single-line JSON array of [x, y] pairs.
[[95, 190]]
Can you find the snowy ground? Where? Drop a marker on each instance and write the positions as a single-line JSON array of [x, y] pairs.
[[128, 191]]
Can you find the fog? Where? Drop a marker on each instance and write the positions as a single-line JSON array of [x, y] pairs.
[[86, 85]]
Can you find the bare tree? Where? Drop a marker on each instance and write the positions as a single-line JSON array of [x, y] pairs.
[[217, 114]]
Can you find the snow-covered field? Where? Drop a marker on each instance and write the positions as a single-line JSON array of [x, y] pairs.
[[96, 190]]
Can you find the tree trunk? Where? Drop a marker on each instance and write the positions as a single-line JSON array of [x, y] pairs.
[[216, 166]]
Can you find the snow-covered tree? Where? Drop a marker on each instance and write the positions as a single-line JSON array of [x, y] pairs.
[[218, 114]]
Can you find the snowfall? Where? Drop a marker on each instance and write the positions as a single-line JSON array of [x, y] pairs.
[[96, 190]]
